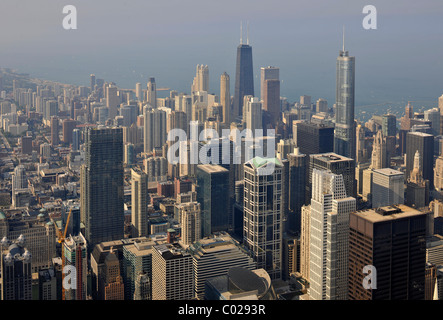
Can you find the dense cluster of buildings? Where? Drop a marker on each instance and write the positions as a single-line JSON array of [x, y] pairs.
[[93, 208]]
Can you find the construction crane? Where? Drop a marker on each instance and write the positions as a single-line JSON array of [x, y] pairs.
[[61, 236], [61, 239]]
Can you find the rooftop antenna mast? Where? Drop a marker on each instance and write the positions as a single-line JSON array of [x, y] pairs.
[[241, 32], [247, 34]]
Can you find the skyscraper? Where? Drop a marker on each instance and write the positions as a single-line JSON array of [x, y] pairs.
[[314, 138], [263, 213], [392, 239], [92, 82], [225, 98], [16, 273], [344, 142], [252, 113], [389, 125], [330, 209], [190, 221], [201, 79], [139, 207], [271, 100], [267, 73], [55, 140], [213, 195], [151, 93], [112, 101], [424, 144], [336, 164], [154, 131], [68, 126], [74, 254], [298, 173], [102, 185], [244, 78], [387, 187]]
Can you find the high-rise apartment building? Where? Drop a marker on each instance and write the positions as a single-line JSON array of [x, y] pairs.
[[190, 221], [155, 134], [139, 207], [225, 98], [151, 93], [55, 140]]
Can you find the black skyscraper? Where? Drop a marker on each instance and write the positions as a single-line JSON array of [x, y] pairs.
[[102, 186], [244, 79], [315, 138]]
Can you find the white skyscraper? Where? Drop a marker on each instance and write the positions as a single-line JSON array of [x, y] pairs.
[[201, 79], [151, 93], [139, 91], [252, 113], [112, 101], [139, 209], [387, 187], [329, 240], [190, 220], [154, 128]]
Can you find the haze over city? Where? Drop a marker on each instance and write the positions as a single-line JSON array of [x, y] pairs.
[[130, 41]]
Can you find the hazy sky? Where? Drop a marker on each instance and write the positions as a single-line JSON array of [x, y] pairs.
[[128, 41]]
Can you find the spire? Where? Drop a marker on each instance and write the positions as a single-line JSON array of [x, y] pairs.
[[247, 34], [241, 32], [343, 38]]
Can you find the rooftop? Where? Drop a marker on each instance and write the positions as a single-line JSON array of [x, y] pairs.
[[389, 213]]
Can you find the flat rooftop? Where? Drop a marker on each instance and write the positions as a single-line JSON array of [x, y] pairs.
[[212, 168], [388, 213], [330, 157], [389, 172]]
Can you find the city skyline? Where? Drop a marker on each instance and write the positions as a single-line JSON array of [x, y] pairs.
[[266, 173], [313, 42]]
